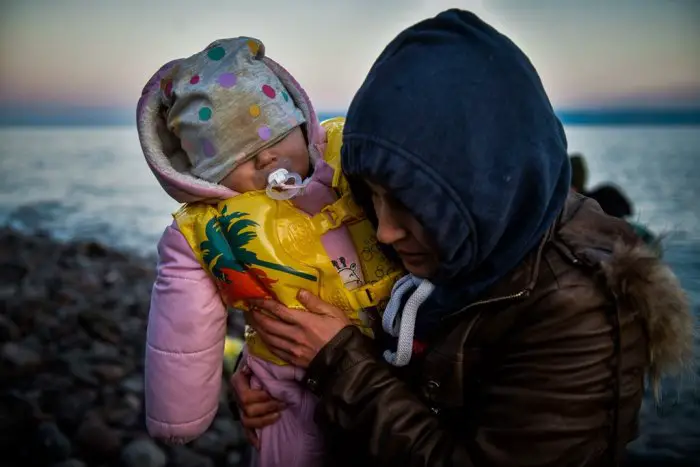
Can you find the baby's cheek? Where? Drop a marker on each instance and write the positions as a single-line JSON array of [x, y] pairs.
[[304, 166], [244, 178]]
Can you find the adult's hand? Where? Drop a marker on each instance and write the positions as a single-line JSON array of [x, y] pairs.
[[297, 336], [257, 408]]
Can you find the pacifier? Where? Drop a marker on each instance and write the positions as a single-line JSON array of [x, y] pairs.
[[283, 184]]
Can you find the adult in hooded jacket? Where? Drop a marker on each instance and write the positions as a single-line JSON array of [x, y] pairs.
[[532, 317]]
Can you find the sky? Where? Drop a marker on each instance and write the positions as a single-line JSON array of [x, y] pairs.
[[57, 54]]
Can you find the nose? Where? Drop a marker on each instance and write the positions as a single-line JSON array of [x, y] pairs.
[[264, 158], [389, 229]]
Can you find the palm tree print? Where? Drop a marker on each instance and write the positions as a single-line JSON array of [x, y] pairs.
[[225, 248]]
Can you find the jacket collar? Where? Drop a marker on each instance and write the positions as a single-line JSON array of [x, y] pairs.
[[523, 279]]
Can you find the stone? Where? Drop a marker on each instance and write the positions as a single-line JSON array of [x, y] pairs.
[[51, 444], [143, 452], [96, 439], [109, 373], [133, 384], [70, 409], [20, 356], [234, 459], [121, 413], [70, 463], [182, 456], [230, 432], [73, 320], [104, 351], [210, 444], [12, 272], [9, 331], [82, 371], [100, 326]]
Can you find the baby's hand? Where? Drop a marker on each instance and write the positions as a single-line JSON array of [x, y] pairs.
[[256, 407]]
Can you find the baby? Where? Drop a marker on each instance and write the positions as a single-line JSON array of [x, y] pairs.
[[229, 133]]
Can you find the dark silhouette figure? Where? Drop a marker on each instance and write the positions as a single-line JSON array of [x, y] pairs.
[[610, 198]]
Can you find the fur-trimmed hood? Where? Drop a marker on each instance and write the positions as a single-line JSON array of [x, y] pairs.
[[644, 283], [640, 281]]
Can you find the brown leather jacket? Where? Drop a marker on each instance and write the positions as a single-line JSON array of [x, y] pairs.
[[546, 370]]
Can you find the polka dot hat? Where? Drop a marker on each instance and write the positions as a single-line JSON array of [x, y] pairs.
[[225, 105]]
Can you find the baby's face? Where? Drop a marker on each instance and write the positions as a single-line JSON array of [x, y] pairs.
[[290, 153]]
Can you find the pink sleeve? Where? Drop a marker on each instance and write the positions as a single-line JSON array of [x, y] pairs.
[[184, 346]]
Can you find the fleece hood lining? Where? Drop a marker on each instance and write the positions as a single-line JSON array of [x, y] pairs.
[[167, 160]]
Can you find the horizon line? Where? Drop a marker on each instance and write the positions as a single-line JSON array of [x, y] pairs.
[[107, 116]]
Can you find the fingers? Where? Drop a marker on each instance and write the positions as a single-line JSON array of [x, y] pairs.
[[276, 309], [283, 347], [267, 326], [315, 305], [255, 396], [260, 410], [240, 381], [245, 394]]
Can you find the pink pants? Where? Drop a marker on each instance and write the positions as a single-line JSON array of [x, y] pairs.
[[293, 440]]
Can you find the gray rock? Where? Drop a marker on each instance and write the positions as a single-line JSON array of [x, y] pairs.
[[12, 272], [51, 444], [182, 456], [9, 331], [233, 459], [143, 452], [97, 439], [123, 412], [132, 384], [82, 371], [70, 409], [20, 356], [109, 373], [102, 350], [210, 444], [230, 432], [70, 463], [100, 325]]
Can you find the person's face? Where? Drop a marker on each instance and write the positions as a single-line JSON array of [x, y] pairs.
[[399, 228], [290, 153]]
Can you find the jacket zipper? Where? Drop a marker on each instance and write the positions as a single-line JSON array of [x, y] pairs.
[[522, 294]]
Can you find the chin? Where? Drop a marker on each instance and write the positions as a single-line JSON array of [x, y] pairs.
[[418, 271]]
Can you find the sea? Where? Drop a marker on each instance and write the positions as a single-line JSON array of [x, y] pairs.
[[93, 183]]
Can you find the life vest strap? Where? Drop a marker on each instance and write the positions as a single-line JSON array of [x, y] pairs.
[[342, 211], [373, 294]]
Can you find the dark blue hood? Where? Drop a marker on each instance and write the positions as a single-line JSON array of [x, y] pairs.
[[454, 121]]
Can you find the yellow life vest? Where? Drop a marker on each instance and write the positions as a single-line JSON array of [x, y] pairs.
[[257, 247]]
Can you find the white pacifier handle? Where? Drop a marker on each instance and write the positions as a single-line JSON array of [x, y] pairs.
[[279, 188]]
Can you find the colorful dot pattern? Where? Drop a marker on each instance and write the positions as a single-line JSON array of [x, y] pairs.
[[208, 148], [216, 53], [269, 91], [205, 114], [228, 80], [254, 47], [264, 132]]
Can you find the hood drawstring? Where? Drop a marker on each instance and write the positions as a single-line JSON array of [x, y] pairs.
[[402, 325]]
